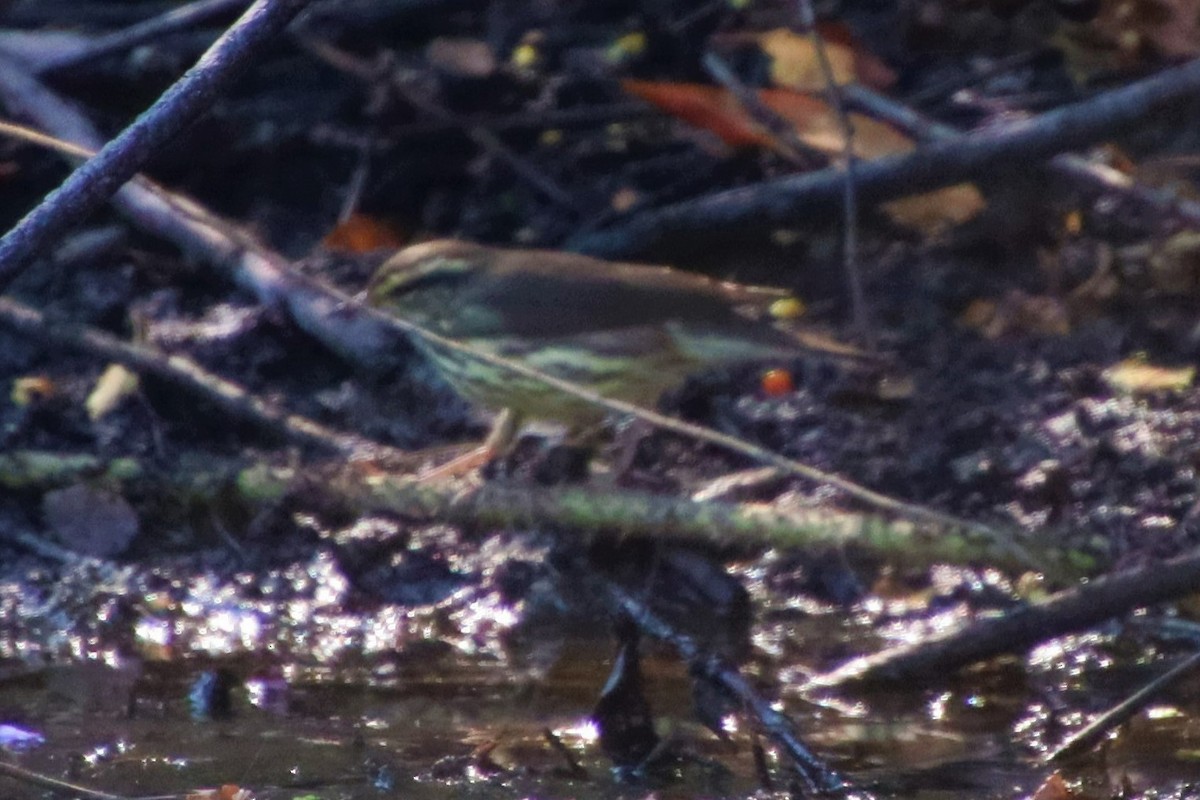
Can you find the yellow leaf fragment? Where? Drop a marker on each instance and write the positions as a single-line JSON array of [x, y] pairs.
[[31, 388], [794, 62], [787, 308], [1136, 376], [626, 47], [526, 55], [113, 386]]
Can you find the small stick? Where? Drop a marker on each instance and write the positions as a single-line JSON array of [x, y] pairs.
[[818, 776], [173, 21], [858, 297], [46, 782], [181, 371], [119, 160], [478, 134], [1097, 729]]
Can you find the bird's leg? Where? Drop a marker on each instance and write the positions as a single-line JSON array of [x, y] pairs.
[[499, 442]]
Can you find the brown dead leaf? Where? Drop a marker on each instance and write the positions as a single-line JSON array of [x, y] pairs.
[[1175, 264], [794, 61], [706, 107], [933, 213], [870, 69], [1017, 313], [30, 389], [1125, 33], [466, 58], [624, 199], [815, 123]]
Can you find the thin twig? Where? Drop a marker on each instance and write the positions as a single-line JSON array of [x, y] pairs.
[[962, 80], [182, 371], [481, 136], [173, 21], [1091, 734], [41, 546], [594, 510], [122, 158], [833, 93], [935, 165], [791, 146], [603, 509], [54, 784], [818, 776], [1074, 609], [585, 116]]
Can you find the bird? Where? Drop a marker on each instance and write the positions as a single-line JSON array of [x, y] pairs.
[[624, 331]]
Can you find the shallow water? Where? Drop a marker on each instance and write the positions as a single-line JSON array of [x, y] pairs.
[[336, 696]]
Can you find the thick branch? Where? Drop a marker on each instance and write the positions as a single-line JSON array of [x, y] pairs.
[[1075, 609], [937, 164]]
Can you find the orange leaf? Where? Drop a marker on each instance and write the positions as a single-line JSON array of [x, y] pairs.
[[718, 111], [362, 234], [707, 107]]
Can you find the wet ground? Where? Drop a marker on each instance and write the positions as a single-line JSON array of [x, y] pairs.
[[294, 679]]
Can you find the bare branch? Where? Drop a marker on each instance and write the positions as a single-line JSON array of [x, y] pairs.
[[938, 164], [121, 159]]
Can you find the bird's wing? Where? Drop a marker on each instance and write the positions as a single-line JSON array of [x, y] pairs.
[[539, 303]]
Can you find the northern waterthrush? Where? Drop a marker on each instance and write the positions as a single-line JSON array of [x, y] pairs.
[[625, 331]]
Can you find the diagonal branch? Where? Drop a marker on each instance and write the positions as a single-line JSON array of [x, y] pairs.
[[937, 164], [122, 158], [181, 371], [1075, 609]]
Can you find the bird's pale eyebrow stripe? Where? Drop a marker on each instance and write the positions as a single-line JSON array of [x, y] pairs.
[[444, 272]]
